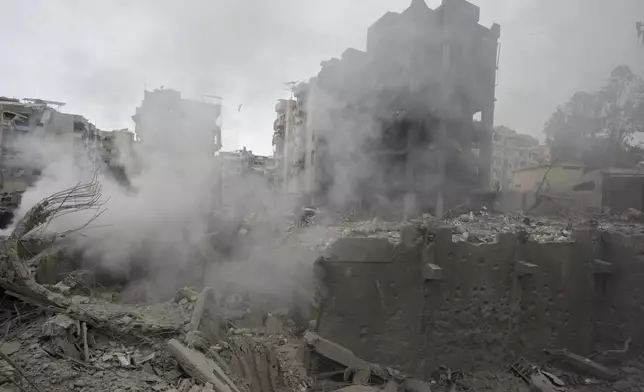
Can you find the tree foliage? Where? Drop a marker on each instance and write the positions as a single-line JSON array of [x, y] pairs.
[[597, 129]]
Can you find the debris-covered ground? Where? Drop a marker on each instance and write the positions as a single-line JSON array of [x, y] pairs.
[[484, 227], [79, 335]]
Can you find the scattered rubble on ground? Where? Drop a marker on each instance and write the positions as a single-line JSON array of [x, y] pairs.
[[73, 334]]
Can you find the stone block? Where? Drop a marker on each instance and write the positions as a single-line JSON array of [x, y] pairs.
[[334, 351], [432, 272], [199, 367]]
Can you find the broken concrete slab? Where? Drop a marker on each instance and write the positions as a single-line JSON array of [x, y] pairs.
[[432, 272], [8, 348], [584, 365], [58, 325], [334, 351], [198, 366], [541, 383], [205, 317]]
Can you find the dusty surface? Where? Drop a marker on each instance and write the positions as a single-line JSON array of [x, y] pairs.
[[102, 373]]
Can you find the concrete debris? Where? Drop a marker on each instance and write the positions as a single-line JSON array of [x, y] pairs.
[[205, 317], [484, 228], [58, 325], [11, 347], [196, 340], [186, 293], [199, 367], [540, 382], [584, 365], [124, 360], [334, 351]]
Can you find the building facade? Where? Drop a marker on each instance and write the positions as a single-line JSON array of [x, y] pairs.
[[514, 151], [391, 130], [22, 158]]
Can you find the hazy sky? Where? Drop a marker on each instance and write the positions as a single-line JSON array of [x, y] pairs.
[[99, 55]]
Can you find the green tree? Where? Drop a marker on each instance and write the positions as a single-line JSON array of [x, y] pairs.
[[597, 129]]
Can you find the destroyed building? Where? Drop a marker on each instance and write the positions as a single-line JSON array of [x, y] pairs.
[[165, 115], [512, 151], [37, 119], [392, 129]]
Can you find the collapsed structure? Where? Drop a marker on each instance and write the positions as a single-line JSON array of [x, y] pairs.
[[393, 128], [26, 122]]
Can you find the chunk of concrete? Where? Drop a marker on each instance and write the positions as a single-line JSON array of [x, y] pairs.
[[8, 348], [541, 383], [361, 376], [334, 351], [199, 367], [601, 267], [184, 386], [205, 317], [584, 365], [362, 250], [523, 268], [432, 272]]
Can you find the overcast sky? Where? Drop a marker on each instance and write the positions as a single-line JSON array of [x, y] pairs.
[[99, 55]]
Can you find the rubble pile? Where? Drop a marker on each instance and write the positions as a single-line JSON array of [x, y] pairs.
[[73, 334], [483, 227]]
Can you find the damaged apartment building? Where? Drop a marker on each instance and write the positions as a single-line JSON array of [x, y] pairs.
[[392, 130], [41, 119]]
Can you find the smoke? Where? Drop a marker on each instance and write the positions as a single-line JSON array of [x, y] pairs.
[[158, 232]]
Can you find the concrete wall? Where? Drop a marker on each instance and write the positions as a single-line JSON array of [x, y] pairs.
[[620, 293], [560, 178], [491, 305]]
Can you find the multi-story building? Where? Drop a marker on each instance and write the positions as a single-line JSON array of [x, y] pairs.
[[180, 137], [513, 151], [119, 155], [167, 122], [392, 129], [26, 121]]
